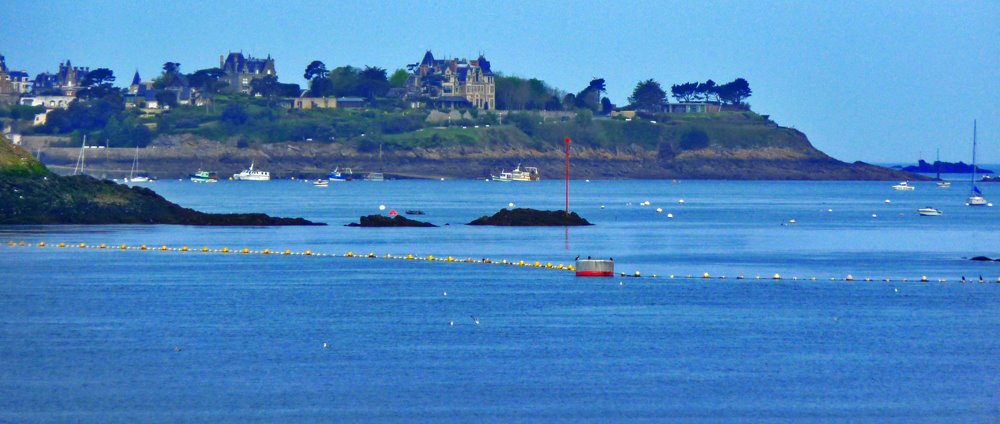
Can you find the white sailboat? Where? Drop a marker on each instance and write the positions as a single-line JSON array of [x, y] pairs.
[[976, 196], [133, 177]]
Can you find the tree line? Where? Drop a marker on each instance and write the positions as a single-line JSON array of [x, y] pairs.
[[648, 95]]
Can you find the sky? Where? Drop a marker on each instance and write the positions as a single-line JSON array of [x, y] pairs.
[[876, 81]]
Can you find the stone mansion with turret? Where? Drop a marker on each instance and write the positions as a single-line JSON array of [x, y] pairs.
[[451, 83]]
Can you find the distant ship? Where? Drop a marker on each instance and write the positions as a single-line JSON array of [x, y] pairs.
[[252, 175]]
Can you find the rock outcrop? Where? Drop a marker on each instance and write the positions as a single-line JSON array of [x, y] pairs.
[[524, 217]]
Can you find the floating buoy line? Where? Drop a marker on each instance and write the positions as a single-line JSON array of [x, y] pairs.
[[482, 261]]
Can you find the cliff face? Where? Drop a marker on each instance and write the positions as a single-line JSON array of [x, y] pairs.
[[30, 194], [728, 147]]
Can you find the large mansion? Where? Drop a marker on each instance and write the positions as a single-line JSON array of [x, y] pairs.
[[452, 82], [241, 70]]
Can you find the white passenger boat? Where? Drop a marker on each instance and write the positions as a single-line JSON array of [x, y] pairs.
[[529, 173], [252, 175], [903, 186]]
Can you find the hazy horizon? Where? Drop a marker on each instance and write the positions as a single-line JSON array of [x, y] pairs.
[[878, 82]]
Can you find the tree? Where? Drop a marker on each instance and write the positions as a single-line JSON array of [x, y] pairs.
[[694, 139], [648, 96], [740, 90], [709, 88], [288, 90], [734, 92], [208, 81], [345, 81], [398, 78], [316, 69], [590, 97], [372, 82], [97, 84], [166, 98], [606, 106], [266, 87], [235, 114], [170, 77]]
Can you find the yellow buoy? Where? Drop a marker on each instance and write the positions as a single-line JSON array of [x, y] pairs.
[[409, 257], [103, 246], [371, 254], [308, 253], [430, 258], [923, 278], [776, 276], [164, 247], [82, 245], [225, 250], [288, 252], [349, 254], [41, 244], [267, 251], [246, 250], [184, 249], [62, 244], [637, 273], [705, 275]]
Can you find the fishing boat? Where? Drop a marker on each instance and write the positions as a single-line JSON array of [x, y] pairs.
[[252, 175], [338, 176], [929, 211], [133, 177], [904, 186], [204, 177], [321, 183], [529, 173], [975, 196]]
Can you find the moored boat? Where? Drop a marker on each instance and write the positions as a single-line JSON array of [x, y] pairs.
[[252, 175], [904, 186], [374, 176], [321, 183], [204, 177], [338, 176], [976, 196], [529, 173], [929, 211]]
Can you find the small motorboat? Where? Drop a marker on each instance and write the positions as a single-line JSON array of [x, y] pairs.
[[321, 183], [929, 211], [903, 186], [944, 184]]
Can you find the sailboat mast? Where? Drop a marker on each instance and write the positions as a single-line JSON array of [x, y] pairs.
[[973, 154], [937, 163]]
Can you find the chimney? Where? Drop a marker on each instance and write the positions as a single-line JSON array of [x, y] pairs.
[[220, 61]]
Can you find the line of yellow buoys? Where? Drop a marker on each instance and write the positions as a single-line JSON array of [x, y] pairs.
[[469, 260]]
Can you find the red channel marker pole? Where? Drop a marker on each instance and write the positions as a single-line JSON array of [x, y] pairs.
[[567, 176]]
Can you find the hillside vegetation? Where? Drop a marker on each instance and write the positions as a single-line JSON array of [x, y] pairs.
[[30, 194]]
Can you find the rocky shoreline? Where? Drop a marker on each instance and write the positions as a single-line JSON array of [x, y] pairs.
[[179, 156]]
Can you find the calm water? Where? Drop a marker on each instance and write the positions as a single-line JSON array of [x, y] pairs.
[[90, 335]]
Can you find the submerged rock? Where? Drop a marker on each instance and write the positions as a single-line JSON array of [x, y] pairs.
[[385, 221], [980, 258], [524, 217]]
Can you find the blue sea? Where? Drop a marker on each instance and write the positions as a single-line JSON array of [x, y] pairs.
[[111, 335]]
